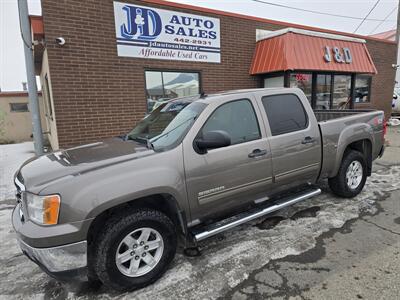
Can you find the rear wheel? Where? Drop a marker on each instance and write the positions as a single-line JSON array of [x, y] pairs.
[[351, 176], [134, 249]]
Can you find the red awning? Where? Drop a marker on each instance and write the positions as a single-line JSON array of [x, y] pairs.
[[291, 49], [37, 27]]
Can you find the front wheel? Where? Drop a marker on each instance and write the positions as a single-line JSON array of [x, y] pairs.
[[351, 176], [134, 249]]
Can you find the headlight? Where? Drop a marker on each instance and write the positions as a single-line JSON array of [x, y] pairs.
[[43, 209]]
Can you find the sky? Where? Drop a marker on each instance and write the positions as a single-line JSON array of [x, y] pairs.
[[12, 61], [12, 64]]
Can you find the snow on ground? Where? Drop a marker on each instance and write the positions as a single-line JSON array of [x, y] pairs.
[[226, 259]]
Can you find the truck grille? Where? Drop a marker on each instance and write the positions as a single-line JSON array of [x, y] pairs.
[[20, 188], [18, 195]]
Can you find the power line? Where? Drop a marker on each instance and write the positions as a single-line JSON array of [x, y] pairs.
[[370, 11], [388, 15], [318, 12]]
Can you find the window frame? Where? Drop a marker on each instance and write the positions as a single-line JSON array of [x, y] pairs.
[[162, 70], [314, 74], [200, 131], [19, 111], [302, 106]]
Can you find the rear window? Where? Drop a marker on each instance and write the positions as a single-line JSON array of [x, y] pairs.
[[285, 113]]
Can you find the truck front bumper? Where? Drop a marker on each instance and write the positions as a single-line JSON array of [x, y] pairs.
[[65, 262]]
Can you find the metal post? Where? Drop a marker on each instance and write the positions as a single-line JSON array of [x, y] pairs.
[[398, 24], [30, 73], [397, 41]]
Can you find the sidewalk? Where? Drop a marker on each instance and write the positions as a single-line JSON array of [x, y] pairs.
[[11, 158]]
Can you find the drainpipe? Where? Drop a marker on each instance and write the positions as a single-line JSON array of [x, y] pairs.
[[30, 74]]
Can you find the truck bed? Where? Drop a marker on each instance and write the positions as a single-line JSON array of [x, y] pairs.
[[339, 127], [326, 115]]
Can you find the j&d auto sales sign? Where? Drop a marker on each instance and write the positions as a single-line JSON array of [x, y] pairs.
[[146, 32]]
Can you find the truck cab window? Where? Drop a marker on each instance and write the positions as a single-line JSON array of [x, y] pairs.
[[285, 113], [238, 119]]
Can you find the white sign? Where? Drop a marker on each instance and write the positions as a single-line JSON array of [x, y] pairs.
[[146, 32]]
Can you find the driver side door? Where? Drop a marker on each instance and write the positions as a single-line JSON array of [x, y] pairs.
[[231, 176]]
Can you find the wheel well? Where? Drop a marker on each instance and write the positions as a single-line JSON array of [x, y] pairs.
[[161, 202], [365, 147]]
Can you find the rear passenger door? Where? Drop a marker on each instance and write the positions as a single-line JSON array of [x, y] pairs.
[[294, 139]]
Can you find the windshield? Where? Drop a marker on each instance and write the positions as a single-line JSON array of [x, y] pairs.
[[166, 126]]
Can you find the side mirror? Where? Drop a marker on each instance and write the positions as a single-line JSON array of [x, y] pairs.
[[212, 140]]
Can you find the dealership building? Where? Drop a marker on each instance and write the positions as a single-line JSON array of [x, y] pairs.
[[105, 64]]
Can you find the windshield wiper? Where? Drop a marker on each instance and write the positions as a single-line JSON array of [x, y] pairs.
[[141, 140], [168, 132]]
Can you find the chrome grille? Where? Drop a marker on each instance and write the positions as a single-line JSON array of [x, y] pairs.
[[18, 194], [20, 188]]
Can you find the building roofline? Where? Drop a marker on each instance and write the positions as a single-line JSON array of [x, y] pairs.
[[16, 94], [263, 20], [272, 34]]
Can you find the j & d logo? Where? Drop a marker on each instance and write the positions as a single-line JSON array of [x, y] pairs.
[[141, 23]]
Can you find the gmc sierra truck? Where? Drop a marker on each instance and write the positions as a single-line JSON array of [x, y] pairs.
[[114, 211]]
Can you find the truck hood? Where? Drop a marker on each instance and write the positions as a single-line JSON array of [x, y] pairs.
[[38, 172]]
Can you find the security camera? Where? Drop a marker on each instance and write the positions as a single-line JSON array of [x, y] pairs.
[[60, 41], [394, 66]]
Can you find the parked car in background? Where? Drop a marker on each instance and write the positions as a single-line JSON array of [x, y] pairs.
[[396, 102], [194, 167]]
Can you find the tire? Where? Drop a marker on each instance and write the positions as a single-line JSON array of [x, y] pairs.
[[340, 185], [114, 237]]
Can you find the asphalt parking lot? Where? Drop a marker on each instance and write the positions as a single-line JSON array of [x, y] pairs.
[[324, 248]]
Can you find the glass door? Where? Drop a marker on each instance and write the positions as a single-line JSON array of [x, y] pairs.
[[341, 92], [323, 91], [302, 81]]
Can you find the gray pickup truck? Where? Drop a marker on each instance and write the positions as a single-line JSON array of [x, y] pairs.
[[115, 211]]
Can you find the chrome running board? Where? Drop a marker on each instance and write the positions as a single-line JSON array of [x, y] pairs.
[[245, 217]]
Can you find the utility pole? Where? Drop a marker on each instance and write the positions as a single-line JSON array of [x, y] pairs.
[[30, 74], [398, 25]]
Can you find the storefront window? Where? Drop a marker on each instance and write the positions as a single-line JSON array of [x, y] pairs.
[[162, 86], [273, 82], [362, 87], [303, 82], [323, 91], [341, 92]]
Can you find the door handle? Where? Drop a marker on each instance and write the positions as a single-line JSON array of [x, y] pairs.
[[257, 152], [308, 140]]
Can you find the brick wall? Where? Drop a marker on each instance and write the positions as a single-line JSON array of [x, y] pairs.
[[98, 94], [383, 55]]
